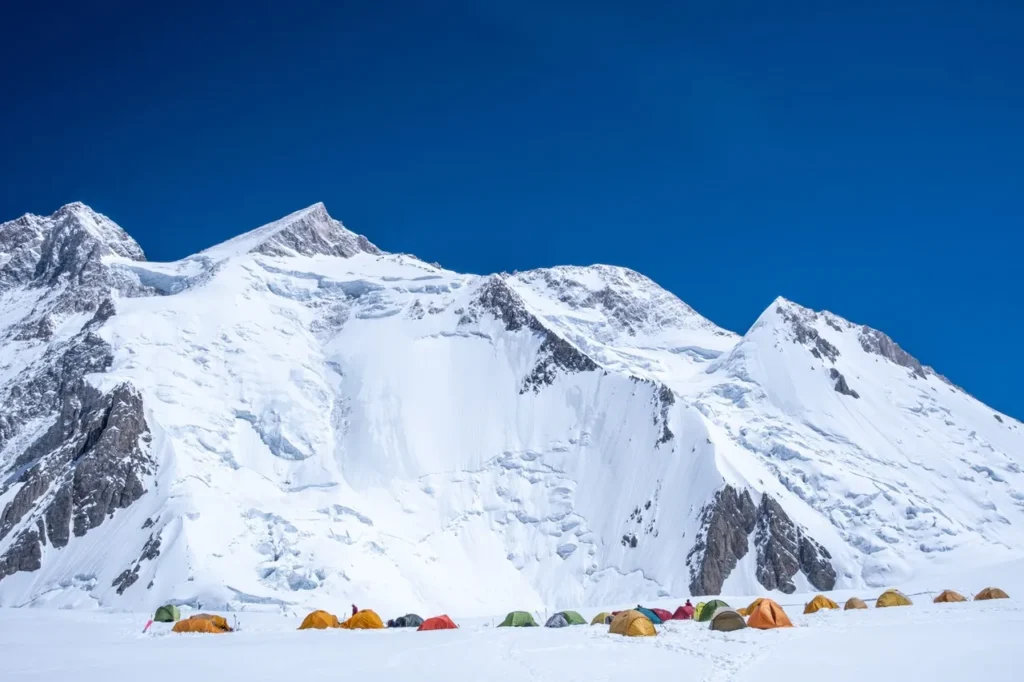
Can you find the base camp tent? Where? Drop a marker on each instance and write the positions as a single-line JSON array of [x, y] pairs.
[[949, 596], [854, 603], [818, 603], [651, 615], [319, 620], [663, 614], [684, 612], [697, 610], [602, 618], [564, 618], [409, 620], [203, 622], [632, 624], [364, 620], [991, 593], [518, 619], [893, 598], [768, 615], [705, 614], [437, 623], [727, 620], [168, 613]]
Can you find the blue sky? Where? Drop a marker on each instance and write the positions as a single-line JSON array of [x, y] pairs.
[[867, 159]]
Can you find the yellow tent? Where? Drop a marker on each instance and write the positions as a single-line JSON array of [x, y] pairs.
[[949, 596], [742, 611], [892, 598], [818, 603], [601, 618], [991, 593], [746, 611], [364, 620], [697, 610], [854, 603], [632, 624], [320, 620], [203, 622]]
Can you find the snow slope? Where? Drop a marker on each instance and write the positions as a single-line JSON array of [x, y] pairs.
[[295, 417]]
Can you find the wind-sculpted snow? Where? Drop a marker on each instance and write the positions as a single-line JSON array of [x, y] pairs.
[[294, 418]]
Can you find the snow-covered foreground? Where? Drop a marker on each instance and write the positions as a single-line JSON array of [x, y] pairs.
[[925, 641]]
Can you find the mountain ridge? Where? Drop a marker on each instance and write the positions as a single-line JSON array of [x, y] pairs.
[[296, 416]]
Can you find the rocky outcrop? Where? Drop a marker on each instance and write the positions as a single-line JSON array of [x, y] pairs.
[[128, 577], [722, 542], [874, 341], [91, 462], [841, 386], [556, 354], [312, 232], [783, 548], [805, 334]]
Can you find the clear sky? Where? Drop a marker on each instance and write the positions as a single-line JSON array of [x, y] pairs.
[[862, 157]]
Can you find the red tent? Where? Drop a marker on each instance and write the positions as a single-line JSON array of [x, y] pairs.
[[684, 612], [437, 623], [663, 614]]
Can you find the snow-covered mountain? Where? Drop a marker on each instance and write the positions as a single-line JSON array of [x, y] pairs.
[[296, 417]]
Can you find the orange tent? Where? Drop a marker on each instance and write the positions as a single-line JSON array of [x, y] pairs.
[[320, 620], [437, 623], [364, 620], [768, 615], [203, 622]]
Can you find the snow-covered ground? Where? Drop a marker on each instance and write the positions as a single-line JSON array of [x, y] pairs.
[[939, 642]]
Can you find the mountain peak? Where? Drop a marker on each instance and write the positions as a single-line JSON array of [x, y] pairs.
[[310, 231]]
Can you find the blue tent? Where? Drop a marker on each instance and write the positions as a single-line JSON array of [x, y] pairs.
[[651, 615]]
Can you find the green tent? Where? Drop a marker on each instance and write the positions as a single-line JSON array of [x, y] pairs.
[[705, 614], [573, 618], [168, 613], [520, 619]]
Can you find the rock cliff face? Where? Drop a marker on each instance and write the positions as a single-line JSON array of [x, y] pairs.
[[783, 548]]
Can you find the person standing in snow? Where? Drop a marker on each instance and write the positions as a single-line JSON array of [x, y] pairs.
[[355, 609]]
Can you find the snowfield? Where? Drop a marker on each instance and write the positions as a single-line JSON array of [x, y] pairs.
[[925, 641], [295, 419]]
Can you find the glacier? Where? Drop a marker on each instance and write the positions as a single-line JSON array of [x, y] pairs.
[[295, 417]]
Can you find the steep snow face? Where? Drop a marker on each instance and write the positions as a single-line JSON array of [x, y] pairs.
[[295, 417], [894, 469]]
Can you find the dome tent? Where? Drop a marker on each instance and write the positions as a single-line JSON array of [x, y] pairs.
[[168, 613], [684, 612], [708, 611], [437, 623], [948, 597], [632, 624], [769, 615], [854, 603], [726, 620], [364, 620], [518, 619], [818, 603], [409, 620], [892, 598], [603, 618], [651, 615], [662, 614], [319, 620], [991, 593]]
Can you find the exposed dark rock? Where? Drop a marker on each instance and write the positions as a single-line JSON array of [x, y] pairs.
[[841, 386], [805, 334], [874, 341], [24, 554], [998, 418], [127, 577], [783, 549], [722, 540], [91, 461], [666, 399], [314, 232], [555, 353]]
